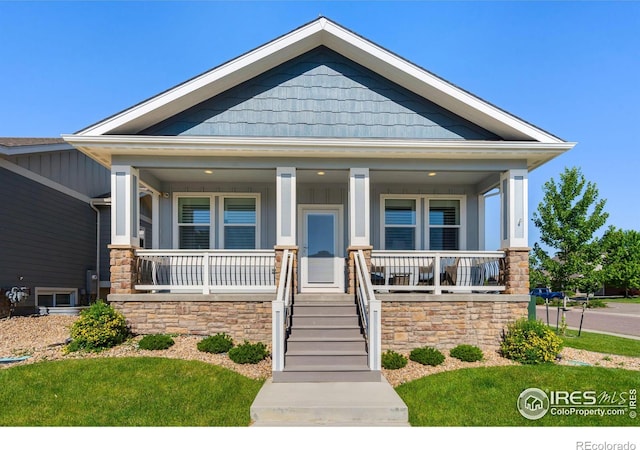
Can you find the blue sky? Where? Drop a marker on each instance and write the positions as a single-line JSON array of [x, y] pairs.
[[571, 68]]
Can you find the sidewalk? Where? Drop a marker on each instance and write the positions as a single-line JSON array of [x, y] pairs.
[[361, 404]]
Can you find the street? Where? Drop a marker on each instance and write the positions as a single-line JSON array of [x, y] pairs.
[[617, 318]]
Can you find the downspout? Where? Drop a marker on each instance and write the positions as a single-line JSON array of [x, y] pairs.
[[98, 202]]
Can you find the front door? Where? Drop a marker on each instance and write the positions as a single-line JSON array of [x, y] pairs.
[[321, 253]]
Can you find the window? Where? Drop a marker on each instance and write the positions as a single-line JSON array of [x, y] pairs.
[[239, 223], [400, 223], [53, 297], [209, 221], [444, 224], [194, 222], [402, 219]]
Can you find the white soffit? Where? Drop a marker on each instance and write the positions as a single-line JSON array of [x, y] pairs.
[[319, 32]]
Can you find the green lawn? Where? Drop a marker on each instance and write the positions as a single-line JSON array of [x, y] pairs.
[[488, 396], [602, 343], [125, 392], [635, 300]]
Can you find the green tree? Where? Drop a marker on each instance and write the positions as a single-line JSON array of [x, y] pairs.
[[568, 217], [621, 249]]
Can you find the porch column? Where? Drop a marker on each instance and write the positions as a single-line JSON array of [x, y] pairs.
[[286, 220], [155, 218], [514, 230], [286, 206], [125, 220], [359, 210], [125, 214]]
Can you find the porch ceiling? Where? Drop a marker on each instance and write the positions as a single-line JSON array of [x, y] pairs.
[[420, 177]]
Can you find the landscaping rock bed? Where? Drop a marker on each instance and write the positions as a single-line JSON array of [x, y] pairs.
[[43, 339]]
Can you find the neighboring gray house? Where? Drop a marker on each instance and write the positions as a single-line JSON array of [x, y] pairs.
[[55, 200]]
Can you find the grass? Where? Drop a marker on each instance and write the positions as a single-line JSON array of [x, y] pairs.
[[634, 300], [125, 392], [488, 396], [601, 343]]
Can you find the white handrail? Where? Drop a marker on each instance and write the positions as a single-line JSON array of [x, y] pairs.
[[281, 311], [370, 311]]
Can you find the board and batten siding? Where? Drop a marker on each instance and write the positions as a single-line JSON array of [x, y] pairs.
[[46, 237], [320, 94], [69, 168]]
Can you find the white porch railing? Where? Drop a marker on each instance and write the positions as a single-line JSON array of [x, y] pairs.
[[432, 271], [206, 271], [281, 311], [370, 311]]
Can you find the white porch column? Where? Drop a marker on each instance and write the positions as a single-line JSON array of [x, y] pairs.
[[359, 207], [155, 218], [513, 209], [125, 209], [286, 206]]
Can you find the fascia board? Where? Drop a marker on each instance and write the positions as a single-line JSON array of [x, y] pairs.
[[31, 149], [102, 148]]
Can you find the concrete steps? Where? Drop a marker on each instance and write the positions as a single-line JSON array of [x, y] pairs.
[[326, 343]]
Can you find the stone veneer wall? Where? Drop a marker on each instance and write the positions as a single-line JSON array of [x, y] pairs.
[[444, 324], [242, 320]]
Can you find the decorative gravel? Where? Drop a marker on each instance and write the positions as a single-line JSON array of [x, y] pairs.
[[43, 339]]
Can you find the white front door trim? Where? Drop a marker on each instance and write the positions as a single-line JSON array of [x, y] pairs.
[[338, 259]]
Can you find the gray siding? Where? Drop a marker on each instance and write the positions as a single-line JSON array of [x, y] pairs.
[[320, 94], [45, 236], [105, 240], [70, 168]]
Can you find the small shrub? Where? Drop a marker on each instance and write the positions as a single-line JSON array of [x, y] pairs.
[[99, 327], [220, 343], [427, 356], [392, 360], [468, 353], [596, 303], [248, 353], [156, 342], [530, 342]]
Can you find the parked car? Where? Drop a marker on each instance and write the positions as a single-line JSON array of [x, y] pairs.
[[546, 293]]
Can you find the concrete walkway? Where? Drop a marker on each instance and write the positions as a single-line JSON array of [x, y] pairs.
[[329, 404]]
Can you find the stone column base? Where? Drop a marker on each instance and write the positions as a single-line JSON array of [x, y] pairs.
[[124, 269], [366, 249], [516, 270], [279, 253]]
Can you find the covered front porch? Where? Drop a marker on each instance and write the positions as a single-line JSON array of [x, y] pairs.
[[218, 229]]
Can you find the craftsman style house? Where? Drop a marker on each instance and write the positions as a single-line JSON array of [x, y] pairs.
[[320, 168]]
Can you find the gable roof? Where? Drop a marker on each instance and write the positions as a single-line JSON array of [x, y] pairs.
[[320, 32]]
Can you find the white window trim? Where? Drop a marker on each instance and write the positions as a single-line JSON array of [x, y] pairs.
[[221, 226], [55, 290], [216, 221], [417, 226], [462, 244], [422, 217]]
